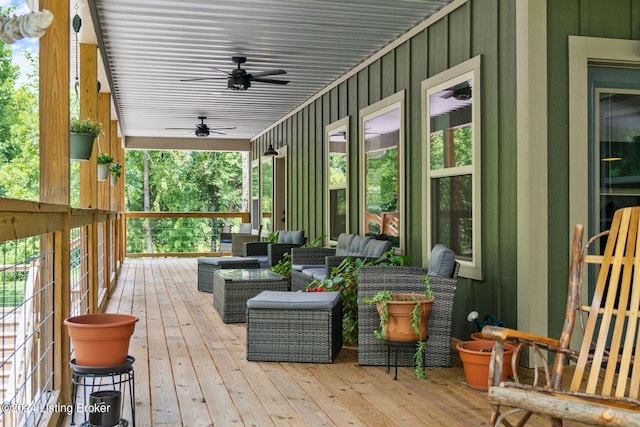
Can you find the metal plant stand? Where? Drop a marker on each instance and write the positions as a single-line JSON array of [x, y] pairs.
[[93, 379]]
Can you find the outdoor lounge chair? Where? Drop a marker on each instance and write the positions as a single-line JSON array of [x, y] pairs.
[[271, 253], [443, 273], [602, 387], [234, 242]]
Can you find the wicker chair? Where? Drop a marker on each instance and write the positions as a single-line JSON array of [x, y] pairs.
[[234, 242], [274, 252], [371, 279]]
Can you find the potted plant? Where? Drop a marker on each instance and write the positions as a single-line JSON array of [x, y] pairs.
[[405, 317], [104, 161], [83, 133], [115, 169]]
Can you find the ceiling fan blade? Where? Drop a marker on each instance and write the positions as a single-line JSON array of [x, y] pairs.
[[203, 78], [217, 132], [267, 73], [278, 82], [179, 128], [222, 127], [228, 74]]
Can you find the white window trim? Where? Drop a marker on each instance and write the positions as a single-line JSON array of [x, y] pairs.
[[255, 164], [263, 160], [389, 103], [340, 125], [465, 71]]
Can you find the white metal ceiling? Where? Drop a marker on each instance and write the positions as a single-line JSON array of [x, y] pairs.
[[150, 46]]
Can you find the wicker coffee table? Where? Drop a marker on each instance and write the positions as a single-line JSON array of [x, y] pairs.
[[233, 287]]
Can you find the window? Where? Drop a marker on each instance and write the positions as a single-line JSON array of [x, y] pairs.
[[382, 165], [255, 195], [266, 203], [451, 165], [336, 198]]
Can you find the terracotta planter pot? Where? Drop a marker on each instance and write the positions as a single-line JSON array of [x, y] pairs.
[[103, 171], [80, 146], [399, 323], [101, 339], [475, 356], [478, 336]]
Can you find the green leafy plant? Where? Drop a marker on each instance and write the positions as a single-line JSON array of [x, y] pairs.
[[90, 126], [104, 159], [382, 298], [283, 267], [344, 278], [273, 237], [115, 169]]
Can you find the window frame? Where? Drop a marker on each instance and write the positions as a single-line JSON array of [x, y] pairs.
[[341, 125], [255, 207], [468, 70], [397, 100], [266, 159]]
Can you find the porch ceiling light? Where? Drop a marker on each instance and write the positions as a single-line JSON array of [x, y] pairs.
[[270, 151]]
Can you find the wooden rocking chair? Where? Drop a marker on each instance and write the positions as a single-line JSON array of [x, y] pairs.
[[602, 387]]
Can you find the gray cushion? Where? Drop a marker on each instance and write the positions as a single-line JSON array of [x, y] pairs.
[[222, 260], [310, 272], [356, 246], [442, 261], [319, 274], [292, 236], [376, 248], [294, 300], [344, 242], [300, 267], [245, 228]]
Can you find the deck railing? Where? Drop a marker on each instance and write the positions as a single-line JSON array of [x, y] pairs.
[[178, 233], [59, 262], [54, 262]]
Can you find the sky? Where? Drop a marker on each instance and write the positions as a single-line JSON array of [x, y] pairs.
[[21, 46]]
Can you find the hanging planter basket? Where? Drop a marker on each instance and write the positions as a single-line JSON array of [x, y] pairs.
[[103, 171], [114, 180], [101, 339], [80, 146]]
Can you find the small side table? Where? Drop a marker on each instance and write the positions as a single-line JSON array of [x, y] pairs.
[[397, 345], [90, 378]]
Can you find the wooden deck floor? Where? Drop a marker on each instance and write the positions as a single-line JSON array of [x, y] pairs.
[[191, 369]]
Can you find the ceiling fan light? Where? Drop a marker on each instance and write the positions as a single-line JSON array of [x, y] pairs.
[[270, 151]]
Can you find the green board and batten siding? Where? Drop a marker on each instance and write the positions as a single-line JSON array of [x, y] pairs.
[[475, 28]]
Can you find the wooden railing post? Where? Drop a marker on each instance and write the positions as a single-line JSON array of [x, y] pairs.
[[55, 172]]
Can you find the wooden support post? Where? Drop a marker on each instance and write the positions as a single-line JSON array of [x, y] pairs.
[[103, 145], [55, 175], [89, 170]]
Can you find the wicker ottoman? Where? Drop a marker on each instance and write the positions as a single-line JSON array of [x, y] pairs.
[[294, 327], [206, 267], [232, 288]]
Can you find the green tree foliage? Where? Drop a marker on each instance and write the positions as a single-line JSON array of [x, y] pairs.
[[180, 181], [19, 174]]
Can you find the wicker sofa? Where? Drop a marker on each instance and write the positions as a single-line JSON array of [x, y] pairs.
[[270, 254], [371, 279], [309, 264]]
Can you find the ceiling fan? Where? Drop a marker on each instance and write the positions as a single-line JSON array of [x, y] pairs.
[[239, 79], [202, 130]]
